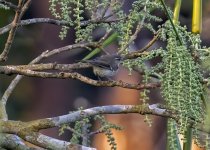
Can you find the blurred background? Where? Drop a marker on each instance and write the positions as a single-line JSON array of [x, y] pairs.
[[36, 98]]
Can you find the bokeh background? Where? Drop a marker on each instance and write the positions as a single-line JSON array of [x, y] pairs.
[[36, 98]]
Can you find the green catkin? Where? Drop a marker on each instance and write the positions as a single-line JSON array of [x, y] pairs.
[[181, 86]]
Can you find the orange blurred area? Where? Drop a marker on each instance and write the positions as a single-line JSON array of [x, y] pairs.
[[136, 134]]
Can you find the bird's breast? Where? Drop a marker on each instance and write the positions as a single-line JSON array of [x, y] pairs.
[[103, 72]]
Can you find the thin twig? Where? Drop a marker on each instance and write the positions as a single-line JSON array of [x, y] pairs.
[[76, 132], [102, 40], [19, 13], [104, 10], [154, 39], [137, 30], [54, 22], [142, 52], [100, 130]]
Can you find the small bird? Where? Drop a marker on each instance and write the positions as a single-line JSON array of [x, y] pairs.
[[106, 65]]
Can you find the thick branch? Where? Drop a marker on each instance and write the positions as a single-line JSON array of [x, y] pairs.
[[51, 143], [112, 109], [29, 130], [9, 141], [20, 128], [51, 66], [74, 75]]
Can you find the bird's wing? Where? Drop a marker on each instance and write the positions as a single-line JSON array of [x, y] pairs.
[[99, 63]]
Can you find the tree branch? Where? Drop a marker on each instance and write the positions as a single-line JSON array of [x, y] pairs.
[[47, 142], [141, 52], [51, 66], [45, 54], [52, 21], [74, 75], [29, 130], [19, 13], [19, 128], [10, 141]]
